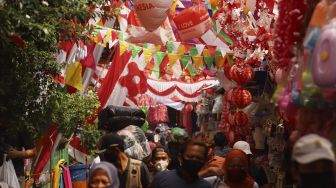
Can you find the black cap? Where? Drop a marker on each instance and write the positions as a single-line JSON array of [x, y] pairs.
[[111, 140]]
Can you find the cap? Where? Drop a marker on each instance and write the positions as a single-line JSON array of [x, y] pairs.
[[312, 147], [109, 141], [244, 146]]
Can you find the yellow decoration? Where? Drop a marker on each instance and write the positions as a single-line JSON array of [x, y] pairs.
[[123, 46], [198, 61], [173, 8], [57, 174], [206, 52], [157, 47], [220, 61], [181, 49], [172, 59], [148, 54], [73, 76], [324, 56], [246, 10]]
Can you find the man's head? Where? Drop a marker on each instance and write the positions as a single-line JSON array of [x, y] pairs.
[[192, 157], [110, 146], [220, 139], [244, 146], [160, 159], [313, 162]]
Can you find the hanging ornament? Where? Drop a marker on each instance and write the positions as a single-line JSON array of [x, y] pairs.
[[241, 73], [240, 119], [189, 107], [241, 97], [227, 68]]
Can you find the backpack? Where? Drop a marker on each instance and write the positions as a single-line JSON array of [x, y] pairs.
[[134, 174]]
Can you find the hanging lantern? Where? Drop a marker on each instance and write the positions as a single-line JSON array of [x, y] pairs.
[[152, 13], [241, 97], [240, 119], [241, 74], [189, 107]]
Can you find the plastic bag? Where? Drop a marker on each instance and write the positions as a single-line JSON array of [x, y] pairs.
[[136, 144], [7, 173]]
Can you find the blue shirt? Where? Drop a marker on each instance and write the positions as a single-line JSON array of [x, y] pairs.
[[170, 179]]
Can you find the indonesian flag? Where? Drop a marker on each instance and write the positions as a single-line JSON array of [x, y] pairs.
[[77, 151]]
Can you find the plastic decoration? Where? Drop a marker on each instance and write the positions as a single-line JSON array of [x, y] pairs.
[[324, 66], [240, 119], [241, 74], [288, 31], [189, 107], [152, 13], [193, 22], [241, 97]]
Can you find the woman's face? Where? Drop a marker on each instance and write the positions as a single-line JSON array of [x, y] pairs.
[[236, 170], [99, 179]]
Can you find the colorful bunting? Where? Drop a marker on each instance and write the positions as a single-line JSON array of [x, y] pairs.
[[219, 61], [135, 50], [73, 76], [169, 47], [185, 60], [181, 49], [148, 54], [193, 51], [198, 62], [123, 46], [208, 61]]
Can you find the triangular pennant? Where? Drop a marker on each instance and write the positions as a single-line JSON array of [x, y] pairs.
[[73, 76], [212, 50], [230, 56], [206, 52], [163, 66], [123, 46], [158, 47], [185, 60], [173, 58], [150, 66], [169, 47], [192, 71], [181, 49], [218, 53], [193, 51], [200, 48], [148, 54], [176, 46], [208, 61], [121, 36], [198, 62], [135, 50], [160, 56], [219, 62]]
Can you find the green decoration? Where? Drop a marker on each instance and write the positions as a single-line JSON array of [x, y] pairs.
[[193, 51], [170, 47], [135, 50]]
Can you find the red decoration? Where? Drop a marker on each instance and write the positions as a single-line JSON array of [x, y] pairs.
[[240, 119], [189, 107], [227, 68], [232, 137], [241, 73], [241, 97]]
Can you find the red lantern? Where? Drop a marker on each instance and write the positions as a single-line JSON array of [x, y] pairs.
[[240, 119], [241, 97], [189, 107], [241, 74]]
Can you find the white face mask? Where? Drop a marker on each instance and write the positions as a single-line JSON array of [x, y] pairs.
[[161, 165]]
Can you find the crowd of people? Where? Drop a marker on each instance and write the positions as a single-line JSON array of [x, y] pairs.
[[184, 161]]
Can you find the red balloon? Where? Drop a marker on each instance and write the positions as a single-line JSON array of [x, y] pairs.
[[241, 74], [241, 97], [240, 119]]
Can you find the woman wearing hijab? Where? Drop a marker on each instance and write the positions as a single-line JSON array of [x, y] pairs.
[[236, 172], [104, 175]]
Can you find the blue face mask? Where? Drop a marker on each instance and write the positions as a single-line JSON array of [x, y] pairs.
[[314, 180]]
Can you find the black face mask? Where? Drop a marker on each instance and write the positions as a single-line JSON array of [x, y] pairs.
[[192, 167], [236, 175], [112, 156], [314, 180]]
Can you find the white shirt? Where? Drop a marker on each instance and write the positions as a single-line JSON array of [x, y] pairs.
[[219, 183]]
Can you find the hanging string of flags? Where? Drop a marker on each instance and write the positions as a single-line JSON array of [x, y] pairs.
[[161, 59]]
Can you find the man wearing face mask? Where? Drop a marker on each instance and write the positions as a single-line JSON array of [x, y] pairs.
[[160, 160], [313, 162], [192, 158], [132, 173]]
